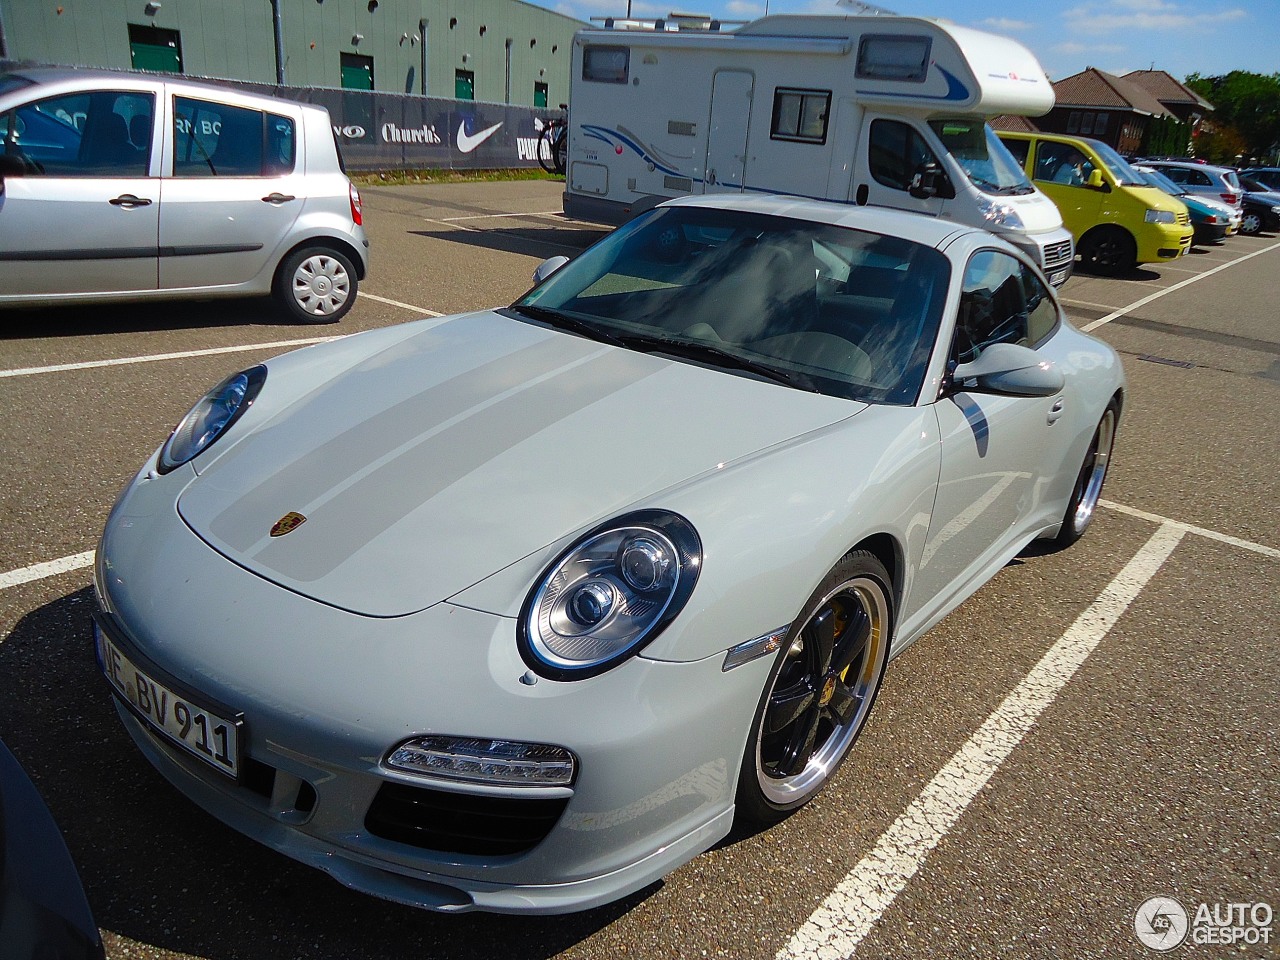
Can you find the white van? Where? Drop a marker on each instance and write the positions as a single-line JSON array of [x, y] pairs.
[[879, 110]]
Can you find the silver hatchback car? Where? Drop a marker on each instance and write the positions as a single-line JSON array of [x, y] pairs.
[[1203, 179], [122, 186]]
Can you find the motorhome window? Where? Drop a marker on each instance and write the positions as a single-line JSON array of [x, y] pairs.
[[606, 64], [985, 160], [800, 115], [897, 152], [883, 57]]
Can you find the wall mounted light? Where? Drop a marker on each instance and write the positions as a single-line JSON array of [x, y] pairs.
[[356, 38], [152, 8]]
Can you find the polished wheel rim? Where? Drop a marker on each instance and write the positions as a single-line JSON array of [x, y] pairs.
[[321, 285], [823, 691], [1094, 471]]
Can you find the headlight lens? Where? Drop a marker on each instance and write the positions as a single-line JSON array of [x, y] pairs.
[[999, 214], [609, 594], [211, 417], [1160, 216]]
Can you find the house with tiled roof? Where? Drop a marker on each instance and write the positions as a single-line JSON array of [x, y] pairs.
[[1146, 111]]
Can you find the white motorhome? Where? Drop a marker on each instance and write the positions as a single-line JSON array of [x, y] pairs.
[[881, 110]]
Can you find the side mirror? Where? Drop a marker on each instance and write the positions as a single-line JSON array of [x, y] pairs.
[[1008, 370], [1095, 180], [930, 180], [547, 267]]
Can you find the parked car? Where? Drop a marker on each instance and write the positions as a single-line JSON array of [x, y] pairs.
[[125, 187], [518, 610], [43, 909], [1118, 220], [1261, 206], [1266, 175], [1202, 179], [1212, 220]]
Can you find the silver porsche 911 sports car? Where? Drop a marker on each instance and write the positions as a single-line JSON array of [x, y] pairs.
[[518, 610]]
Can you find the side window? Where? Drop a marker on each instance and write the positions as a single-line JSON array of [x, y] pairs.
[[800, 115], [1062, 163], [1042, 315], [1176, 174], [896, 152], [993, 307], [219, 140], [1198, 178], [1019, 149], [104, 133]]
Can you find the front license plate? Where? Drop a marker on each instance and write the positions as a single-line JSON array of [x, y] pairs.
[[198, 730], [1058, 278]]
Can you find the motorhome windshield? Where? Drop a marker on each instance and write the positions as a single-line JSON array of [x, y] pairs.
[[985, 160], [1124, 174]]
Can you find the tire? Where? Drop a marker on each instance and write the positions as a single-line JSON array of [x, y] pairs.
[[316, 285], [1093, 473], [1250, 224], [820, 691], [1108, 251], [552, 147]]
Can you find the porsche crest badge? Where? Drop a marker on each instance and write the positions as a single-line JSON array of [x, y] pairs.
[[290, 522]]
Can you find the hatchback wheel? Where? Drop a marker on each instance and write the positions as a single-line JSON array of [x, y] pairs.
[[1251, 223], [316, 285], [820, 691]]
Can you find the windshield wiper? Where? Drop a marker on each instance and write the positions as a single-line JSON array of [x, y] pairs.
[[563, 321], [716, 356]]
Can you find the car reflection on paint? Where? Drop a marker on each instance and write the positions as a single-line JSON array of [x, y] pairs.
[[518, 610]]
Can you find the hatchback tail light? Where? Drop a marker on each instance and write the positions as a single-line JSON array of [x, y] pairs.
[[1231, 198], [357, 211]]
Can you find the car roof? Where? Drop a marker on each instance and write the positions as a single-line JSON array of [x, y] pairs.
[[1191, 164], [917, 227], [77, 77]]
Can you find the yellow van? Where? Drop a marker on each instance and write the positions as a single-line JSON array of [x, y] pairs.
[[1117, 219]]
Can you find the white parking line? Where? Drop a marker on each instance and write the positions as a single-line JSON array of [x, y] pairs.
[[50, 568], [212, 351], [1188, 528], [849, 913], [1177, 286], [154, 357], [499, 216]]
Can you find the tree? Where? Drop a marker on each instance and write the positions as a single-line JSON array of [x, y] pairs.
[[1246, 103]]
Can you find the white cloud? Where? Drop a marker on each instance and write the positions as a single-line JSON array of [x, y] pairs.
[[1006, 25], [1151, 15]]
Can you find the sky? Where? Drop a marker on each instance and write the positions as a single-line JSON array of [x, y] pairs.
[[1209, 37]]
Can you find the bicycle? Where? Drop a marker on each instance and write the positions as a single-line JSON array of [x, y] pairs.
[[553, 143]]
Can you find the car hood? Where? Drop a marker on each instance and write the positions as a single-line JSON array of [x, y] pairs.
[[430, 464]]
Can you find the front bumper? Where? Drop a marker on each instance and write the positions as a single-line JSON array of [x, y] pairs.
[[325, 694]]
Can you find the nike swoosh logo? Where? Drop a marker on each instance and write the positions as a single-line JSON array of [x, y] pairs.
[[467, 143]]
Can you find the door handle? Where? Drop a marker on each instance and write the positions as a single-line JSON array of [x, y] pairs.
[[1055, 412], [275, 199], [129, 200]]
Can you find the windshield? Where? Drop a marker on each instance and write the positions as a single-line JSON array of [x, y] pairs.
[[839, 311], [1123, 173], [985, 160], [1158, 179]]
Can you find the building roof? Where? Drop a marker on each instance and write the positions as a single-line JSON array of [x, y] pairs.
[[1013, 123], [1166, 89], [1092, 87]]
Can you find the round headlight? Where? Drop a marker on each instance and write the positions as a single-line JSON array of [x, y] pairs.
[[609, 594], [211, 417]]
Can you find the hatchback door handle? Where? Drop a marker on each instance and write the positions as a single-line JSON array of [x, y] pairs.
[[1055, 412], [129, 200], [275, 199]]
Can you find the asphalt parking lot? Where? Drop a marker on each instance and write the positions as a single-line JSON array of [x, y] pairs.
[[1092, 729]]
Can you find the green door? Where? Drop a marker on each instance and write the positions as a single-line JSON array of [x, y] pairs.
[[148, 56], [357, 72], [464, 85]]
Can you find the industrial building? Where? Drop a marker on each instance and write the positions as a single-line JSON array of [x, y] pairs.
[[500, 51]]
